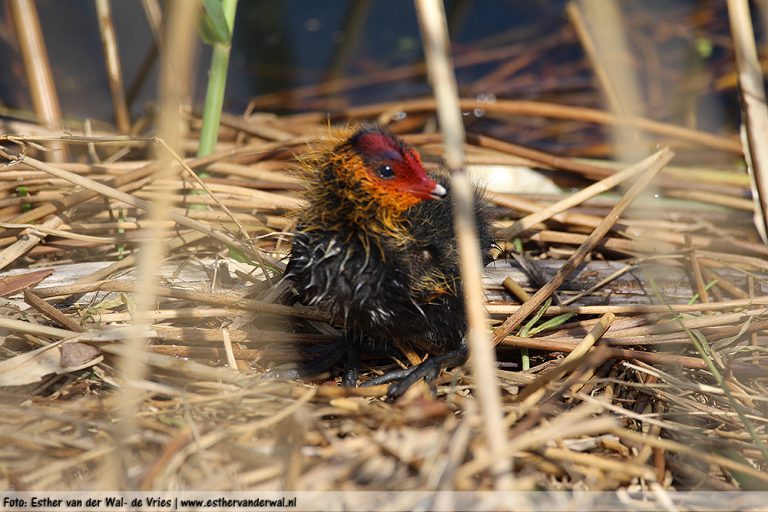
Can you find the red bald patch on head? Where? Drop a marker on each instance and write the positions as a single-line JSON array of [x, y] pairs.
[[393, 171], [413, 159], [376, 145]]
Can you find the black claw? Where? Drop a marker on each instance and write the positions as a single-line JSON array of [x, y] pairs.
[[429, 370]]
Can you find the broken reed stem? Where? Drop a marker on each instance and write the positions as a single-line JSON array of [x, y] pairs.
[[536, 156], [660, 159], [37, 230], [26, 242], [434, 32], [608, 352], [698, 279], [576, 199], [168, 314], [263, 201], [526, 205], [711, 198], [51, 312], [590, 339], [723, 283], [517, 291]]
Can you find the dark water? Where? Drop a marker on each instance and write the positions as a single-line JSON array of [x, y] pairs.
[[282, 44]]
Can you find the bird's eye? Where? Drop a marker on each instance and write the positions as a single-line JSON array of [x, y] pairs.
[[386, 172]]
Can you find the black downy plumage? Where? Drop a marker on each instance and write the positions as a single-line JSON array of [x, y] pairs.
[[375, 248]]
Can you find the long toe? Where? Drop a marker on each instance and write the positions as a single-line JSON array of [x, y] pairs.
[[388, 377], [428, 370]]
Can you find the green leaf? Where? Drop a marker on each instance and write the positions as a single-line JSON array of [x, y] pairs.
[[707, 287], [528, 329], [552, 323], [240, 256], [543, 309], [213, 23]]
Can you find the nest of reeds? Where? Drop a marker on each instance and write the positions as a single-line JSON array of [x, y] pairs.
[[629, 333], [645, 371]]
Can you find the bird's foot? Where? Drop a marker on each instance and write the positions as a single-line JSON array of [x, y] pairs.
[[401, 380]]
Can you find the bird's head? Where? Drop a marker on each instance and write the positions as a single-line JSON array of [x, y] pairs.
[[387, 169]]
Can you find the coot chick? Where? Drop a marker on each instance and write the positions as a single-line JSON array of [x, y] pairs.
[[375, 248]]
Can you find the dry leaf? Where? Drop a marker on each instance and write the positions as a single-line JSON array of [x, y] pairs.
[[75, 356], [12, 284]]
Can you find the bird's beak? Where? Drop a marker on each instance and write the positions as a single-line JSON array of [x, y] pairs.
[[438, 192], [427, 188]]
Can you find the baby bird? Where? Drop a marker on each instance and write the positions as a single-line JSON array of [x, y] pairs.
[[375, 248]]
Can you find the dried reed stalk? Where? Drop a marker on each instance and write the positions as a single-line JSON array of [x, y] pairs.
[[38, 68], [437, 51], [112, 61], [754, 109]]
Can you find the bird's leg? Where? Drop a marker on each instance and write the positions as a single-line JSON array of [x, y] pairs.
[[352, 368], [328, 357], [428, 370]]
